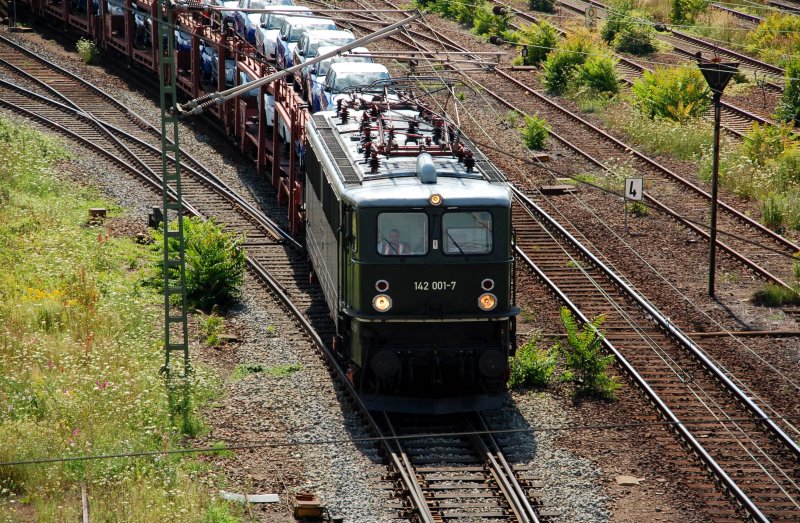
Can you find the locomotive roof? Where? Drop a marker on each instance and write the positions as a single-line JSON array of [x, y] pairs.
[[395, 181]]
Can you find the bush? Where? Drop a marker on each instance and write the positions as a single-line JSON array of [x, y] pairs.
[[562, 64], [788, 109], [531, 367], [776, 39], [677, 93], [776, 296], [686, 11], [215, 264], [211, 327], [88, 51], [627, 30], [535, 132], [636, 37], [545, 6], [763, 143], [488, 23], [585, 366], [598, 73], [541, 38]]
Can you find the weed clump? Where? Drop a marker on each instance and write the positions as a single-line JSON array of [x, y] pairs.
[[215, 263], [776, 296], [677, 93], [535, 132], [88, 51], [532, 366], [585, 366]]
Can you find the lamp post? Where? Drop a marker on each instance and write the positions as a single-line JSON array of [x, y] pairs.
[[717, 74]]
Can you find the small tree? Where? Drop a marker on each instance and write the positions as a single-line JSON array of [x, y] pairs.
[[215, 263], [540, 38], [585, 366], [788, 108], [488, 23], [677, 93], [535, 132]]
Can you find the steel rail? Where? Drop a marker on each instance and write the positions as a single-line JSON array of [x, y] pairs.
[[753, 19], [502, 471], [682, 429], [204, 174], [652, 163], [666, 324]]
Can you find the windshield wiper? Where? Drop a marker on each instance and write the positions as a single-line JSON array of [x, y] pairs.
[[387, 242], [457, 246]]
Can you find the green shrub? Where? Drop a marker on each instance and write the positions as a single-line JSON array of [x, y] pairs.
[[677, 93], [686, 11], [211, 327], [765, 142], [512, 118], [215, 263], [773, 214], [284, 371], [796, 265], [788, 108], [776, 39], [637, 37], [544, 6], [598, 73], [88, 51], [561, 65], [535, 132], [776, 296], [627, 30], [541, 38], [531, 367], [489, 24], [585, 366], [616, 19]]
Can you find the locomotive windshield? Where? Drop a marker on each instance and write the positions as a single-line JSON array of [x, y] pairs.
[[402, 234], [467, 232]]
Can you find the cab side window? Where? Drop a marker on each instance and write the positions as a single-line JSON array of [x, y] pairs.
[[402, 234]]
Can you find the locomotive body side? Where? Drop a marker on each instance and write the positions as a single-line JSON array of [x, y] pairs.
[[426, 324]]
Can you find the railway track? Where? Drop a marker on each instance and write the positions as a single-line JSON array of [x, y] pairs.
[[751, 455], [742, 447], [755, 437], [276, 261], [746, 240]]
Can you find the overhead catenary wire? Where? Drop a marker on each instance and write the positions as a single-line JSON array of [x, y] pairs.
[[366, 439]]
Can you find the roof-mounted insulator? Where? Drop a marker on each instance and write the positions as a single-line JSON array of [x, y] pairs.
[[459, 152], [373, 163], [469, 161], [438, 123], [367, 150], [411, 132], [345, 115], [374, 110]]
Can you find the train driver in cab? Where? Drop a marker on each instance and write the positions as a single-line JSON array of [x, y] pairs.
[[391, 245]]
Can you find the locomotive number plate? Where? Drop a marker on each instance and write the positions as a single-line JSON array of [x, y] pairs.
[[434, 285]]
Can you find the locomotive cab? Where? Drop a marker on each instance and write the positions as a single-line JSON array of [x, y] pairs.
[[415, 259]]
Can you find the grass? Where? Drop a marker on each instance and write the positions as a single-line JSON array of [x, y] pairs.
[[776, 296], [683, 141], [79, 357]]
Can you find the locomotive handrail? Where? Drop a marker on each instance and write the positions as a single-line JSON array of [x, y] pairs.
[[667, 325], [198, 105]]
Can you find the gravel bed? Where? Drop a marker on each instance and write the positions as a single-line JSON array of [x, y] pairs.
[[577, 468]]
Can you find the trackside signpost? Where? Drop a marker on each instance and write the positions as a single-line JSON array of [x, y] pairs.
[[717, 74], [634, 190]]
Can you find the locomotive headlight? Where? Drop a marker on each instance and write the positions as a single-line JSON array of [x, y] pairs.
[[436, 199], [382, 303], [487, 301]]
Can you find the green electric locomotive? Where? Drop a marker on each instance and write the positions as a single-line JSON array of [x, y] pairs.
[[408, 227]]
